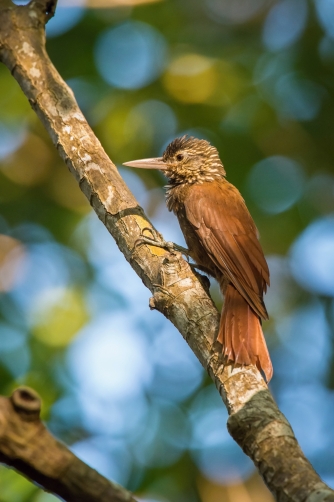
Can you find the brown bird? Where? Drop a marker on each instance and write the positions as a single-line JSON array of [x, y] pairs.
[[222, 239]]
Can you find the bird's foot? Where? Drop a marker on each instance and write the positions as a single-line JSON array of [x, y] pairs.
[[158, 241]]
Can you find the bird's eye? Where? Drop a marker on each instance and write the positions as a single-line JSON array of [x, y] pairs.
[[179, 157]]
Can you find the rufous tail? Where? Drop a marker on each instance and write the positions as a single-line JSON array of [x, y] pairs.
[[241, 334]]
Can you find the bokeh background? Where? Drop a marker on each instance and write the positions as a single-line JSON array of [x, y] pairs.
[[118, 383]]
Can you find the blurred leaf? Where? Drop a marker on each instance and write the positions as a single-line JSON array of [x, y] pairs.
[[58, 315]]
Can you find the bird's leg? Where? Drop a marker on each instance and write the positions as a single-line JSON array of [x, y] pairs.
[[203, 278], [201, 268], [158, 241]]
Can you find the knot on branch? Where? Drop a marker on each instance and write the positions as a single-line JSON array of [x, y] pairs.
[[173, 279], [46, 7], [27, 403]]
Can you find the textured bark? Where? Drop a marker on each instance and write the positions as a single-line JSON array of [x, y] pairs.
[[255, 421], [27, 445]]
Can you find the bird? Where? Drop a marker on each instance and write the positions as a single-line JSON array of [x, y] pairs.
[[223, 242]]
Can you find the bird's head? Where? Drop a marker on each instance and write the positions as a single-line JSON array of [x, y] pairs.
[[186, 160]]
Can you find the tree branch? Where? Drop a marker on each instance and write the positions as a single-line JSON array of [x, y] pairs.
[[46, 7], [255, 421], [28, 446]]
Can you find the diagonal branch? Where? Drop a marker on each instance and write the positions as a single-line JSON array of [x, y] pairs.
[[28, 446], [255, 421]]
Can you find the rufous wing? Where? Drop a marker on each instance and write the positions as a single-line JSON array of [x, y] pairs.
[[228, 233]]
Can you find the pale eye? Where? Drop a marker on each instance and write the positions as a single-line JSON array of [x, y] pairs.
[[179, 157]]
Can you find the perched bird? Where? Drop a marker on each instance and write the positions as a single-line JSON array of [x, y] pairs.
[[222, 239]]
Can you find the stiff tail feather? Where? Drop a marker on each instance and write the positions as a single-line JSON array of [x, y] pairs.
[[241, 334]]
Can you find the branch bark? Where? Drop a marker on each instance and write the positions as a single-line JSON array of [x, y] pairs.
[[28, 446], [255, 421], [46, 8]]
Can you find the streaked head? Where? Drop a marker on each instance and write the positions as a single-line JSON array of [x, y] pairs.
[[186, 160]]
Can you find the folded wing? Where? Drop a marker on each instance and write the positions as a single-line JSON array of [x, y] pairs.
[[228, 233]]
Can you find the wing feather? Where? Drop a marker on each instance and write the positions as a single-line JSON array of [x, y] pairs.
[[226, 230]]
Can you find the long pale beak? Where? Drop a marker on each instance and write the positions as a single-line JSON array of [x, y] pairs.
[[154, 163]]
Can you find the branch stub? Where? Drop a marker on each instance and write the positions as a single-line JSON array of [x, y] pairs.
[[27, 403]]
